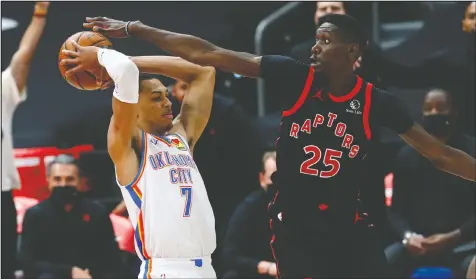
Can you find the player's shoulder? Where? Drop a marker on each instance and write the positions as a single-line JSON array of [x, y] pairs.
[[381, 95]]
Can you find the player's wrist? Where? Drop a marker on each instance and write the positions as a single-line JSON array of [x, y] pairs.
[[99, 53], [41, 10], [132, 27]]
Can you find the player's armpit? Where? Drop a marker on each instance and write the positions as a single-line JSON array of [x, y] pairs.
[[197, 106], [444, 157]]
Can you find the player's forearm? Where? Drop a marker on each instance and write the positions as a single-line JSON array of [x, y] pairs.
[[188, 47], [458, 163], [21, 60], [174, 67]]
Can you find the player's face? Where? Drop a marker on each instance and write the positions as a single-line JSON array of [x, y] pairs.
[[325, 8], [155, 109], [330, 54], [63, 175], [469, 21]]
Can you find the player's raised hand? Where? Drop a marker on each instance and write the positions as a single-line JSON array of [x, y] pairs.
[[41, 8], [83, 59], [107, 26]]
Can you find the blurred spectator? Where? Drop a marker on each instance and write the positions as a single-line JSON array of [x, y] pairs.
[[14, 80], [66, 235], [432, 211], [469, 20], [372, 66], [246, 248]]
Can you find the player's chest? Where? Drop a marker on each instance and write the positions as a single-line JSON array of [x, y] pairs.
[[341, 123]]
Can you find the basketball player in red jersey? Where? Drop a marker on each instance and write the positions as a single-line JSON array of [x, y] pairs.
[[326, 133]]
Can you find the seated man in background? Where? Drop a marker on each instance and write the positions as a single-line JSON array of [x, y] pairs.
[[67, 236], [433, 212], [246, 248]]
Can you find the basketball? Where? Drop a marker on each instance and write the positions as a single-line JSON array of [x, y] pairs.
[[85, 80]]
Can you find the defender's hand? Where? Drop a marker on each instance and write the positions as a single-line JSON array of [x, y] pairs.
[[107, 26], [83, 59]]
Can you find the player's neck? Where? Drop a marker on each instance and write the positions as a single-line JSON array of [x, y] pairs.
[[342, 84]]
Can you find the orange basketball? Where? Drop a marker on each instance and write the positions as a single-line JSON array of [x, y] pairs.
[[84, 80]]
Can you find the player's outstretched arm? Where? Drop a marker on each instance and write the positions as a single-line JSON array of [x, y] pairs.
[[191, 48], [442, 156], [197, 104], [123, 125], [20, 63]]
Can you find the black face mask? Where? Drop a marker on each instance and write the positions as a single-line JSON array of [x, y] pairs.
[[63, 195], [438, 124]]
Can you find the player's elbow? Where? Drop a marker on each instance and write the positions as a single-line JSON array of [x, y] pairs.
[[128, 69], [208, 72]]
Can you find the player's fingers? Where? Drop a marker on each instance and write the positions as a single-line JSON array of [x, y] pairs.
[[74, 71], [70, 53], [97, 18], [69, 61], [76, 45], [98, 29]]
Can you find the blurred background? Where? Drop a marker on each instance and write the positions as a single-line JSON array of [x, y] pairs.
[[415, 47]]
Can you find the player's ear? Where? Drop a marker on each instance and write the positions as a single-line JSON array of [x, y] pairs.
[[354, 51]]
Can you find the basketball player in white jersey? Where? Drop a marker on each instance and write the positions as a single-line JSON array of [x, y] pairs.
[[152, 153]]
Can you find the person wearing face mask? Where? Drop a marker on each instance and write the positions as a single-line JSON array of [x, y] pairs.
[[432, 212], [66, 235], [246, 249]]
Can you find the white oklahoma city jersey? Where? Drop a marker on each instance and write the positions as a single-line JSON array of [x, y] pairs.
[[167, 202]]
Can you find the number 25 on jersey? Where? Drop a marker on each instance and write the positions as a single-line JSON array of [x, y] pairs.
[[329, 160]]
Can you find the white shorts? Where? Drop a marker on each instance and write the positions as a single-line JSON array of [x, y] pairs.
[[159, 268]]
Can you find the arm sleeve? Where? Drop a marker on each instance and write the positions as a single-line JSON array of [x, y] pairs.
[[285, 77], [467, 230], [400, 197], [31, 249], [237, 240], [389, 111], [123, 72]]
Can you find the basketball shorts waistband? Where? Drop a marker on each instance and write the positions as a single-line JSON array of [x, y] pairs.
[[197, 262]]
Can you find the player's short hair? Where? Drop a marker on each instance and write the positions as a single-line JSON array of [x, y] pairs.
[[267, 155], [349, 29], [63, 159], [163, 79]]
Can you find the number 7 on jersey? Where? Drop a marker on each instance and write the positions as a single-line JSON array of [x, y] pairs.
[[186, 191]]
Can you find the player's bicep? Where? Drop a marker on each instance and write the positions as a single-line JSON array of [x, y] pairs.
[[389, 111], [122, 128], [241, 63], [197, 105]]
